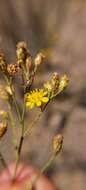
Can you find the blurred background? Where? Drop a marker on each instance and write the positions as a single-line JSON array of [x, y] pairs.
[[58, 27]]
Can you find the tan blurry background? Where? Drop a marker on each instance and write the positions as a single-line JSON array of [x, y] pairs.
[[61, 26]]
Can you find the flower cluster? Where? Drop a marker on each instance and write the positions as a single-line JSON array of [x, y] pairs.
[[51, 88], [26, 67]]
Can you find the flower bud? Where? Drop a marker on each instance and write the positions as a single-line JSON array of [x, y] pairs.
[[57, 143], [52, 85], [29, 63], [21, 52], [3, 129], [55, 82], [39, 59], [48, 86], [63, 83], [3, 64]]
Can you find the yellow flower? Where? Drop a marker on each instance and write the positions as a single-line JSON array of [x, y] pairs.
[[36, 98]]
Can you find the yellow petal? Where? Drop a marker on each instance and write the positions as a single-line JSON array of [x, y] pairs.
[[45, 99], [30, 105], [38, 103]]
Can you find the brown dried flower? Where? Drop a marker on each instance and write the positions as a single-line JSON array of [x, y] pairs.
[[55, 82], [13, 68], [57, 143], [39, 59], [21, 52], [63, 82]]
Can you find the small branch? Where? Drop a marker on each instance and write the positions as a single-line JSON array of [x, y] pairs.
[[19, 148], [13, 96], [45, 168], [18, 155], [12, 124], [48, 164], [29, 130]]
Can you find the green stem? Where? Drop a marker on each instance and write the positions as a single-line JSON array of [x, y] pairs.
[[48, 164], [9, 83], [18, 156], [21, 121], [45, 168], [17, 109], [20, 142], [12, 124], [29, 130]]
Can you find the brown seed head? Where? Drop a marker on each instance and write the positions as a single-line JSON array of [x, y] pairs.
[[21, 52], [13, 68], [57, 143], [55, 82], [29, 63], [55, 76], [64, 80], [22, 45], [39, 59]]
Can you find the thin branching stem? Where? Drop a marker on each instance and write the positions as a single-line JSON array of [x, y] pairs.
[[29, 130], [48, 164], [13, 96], [12, 124], [19, 148]]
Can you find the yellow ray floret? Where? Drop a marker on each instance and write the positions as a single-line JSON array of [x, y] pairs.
[[36, 98]]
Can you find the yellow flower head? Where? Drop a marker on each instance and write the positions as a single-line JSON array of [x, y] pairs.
[[36, 98]]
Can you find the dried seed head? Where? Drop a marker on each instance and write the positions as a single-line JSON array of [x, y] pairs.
[[55, 76], [63, 82], [57, 143], [13, 68], [48, 86], [39, 59], [3, 64], [29, 63], [21, 52], [55, 82], [22, 45], [3, 129]]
